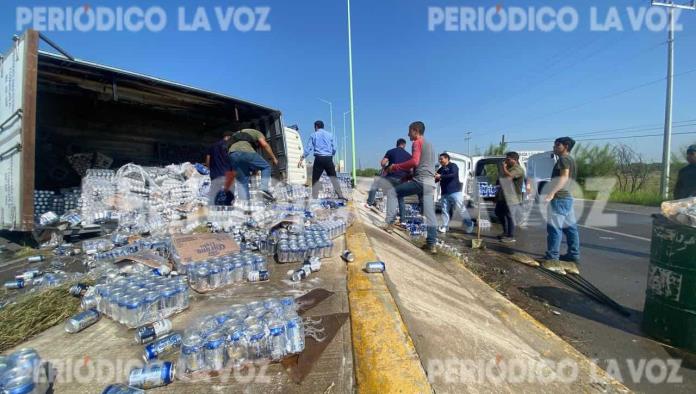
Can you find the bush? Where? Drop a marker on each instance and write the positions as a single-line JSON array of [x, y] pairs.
[[367, 172], [594, 161]]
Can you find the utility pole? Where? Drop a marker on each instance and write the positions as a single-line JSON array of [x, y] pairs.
[[468, 143], [667, 140]]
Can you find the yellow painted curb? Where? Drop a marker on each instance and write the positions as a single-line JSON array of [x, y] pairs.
[[385, 358]]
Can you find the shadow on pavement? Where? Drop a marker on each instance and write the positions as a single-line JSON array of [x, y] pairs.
[[580, 305], [615, 250]]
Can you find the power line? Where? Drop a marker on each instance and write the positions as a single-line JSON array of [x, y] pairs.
[[530, 87], [607, 138], [605, 97], [632, 129]]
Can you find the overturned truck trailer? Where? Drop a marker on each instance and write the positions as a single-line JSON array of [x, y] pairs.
[[54, 107]]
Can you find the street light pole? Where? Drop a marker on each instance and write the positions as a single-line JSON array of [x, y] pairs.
[[331, 116], [352, 108], [667, 139]]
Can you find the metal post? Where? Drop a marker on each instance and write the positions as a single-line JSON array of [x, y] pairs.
[[468, 143], [352, 108], [667, 142], [331, 116], [345, 140]]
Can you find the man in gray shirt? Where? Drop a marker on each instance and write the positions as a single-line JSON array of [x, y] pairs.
[[423, 183]]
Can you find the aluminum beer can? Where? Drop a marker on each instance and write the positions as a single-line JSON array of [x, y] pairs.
[[374, 267], [258, 276], [152, 375], [77, 290], [153, 331], [15, 284], [162, 346], [347, 256], [20, 385], [119, 388]]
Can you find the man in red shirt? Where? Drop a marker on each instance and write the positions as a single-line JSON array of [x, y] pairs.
[[422, 163]]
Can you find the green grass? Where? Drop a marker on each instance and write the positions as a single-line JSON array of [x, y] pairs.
[[642, 197]]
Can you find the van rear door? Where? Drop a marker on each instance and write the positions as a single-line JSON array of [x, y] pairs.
[[294, 150], [18, 78]]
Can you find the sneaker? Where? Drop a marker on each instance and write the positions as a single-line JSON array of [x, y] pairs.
[[432, 249], [508, 240], [267, 195], [500, 237], [442, 229], [388, 227], [369, 206], [566, 257], [554, 266], [570, 267], [469, 229]]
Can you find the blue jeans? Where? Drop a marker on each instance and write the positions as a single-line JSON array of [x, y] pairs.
[[415, 188], [244, 163], [561, 220], [455, 202], [386, 184]]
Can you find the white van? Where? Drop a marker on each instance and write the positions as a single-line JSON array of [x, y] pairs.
[[539, 168]]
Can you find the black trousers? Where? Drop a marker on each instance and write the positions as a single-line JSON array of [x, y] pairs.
[[321, 164], [506, 217]]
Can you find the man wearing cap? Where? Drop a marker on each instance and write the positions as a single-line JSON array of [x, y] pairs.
[[686, 180]]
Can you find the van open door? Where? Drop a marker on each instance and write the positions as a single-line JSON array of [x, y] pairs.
[[18, 84], [294, 149]]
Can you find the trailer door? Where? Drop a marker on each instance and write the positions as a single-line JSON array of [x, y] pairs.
[[18, 75]]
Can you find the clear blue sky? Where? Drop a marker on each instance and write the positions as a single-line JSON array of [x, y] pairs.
[[526, 85]]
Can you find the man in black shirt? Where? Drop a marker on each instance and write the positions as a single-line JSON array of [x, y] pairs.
[[387, 181], [561, 217], [218, 162], [686, 180]]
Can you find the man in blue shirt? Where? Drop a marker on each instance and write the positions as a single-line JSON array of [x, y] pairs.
[[451, 194], [389, 180], [322, 145], [218, 162]]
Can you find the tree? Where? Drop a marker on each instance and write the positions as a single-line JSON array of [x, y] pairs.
[[594, 161], [496, 150], [631, 170]]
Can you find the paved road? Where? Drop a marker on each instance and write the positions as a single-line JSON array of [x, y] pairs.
[[614, 244], [615, 253]]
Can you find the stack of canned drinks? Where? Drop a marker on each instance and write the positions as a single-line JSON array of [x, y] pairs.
[[257, 332], [326, 189], [314, 242], [96, 245], [43, 202], [97, 187], [290, 192], [20, 372], [227, 270], [102, 248], [142, 298], [334, 227]]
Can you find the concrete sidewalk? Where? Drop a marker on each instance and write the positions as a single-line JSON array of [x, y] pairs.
[[468, 337]]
